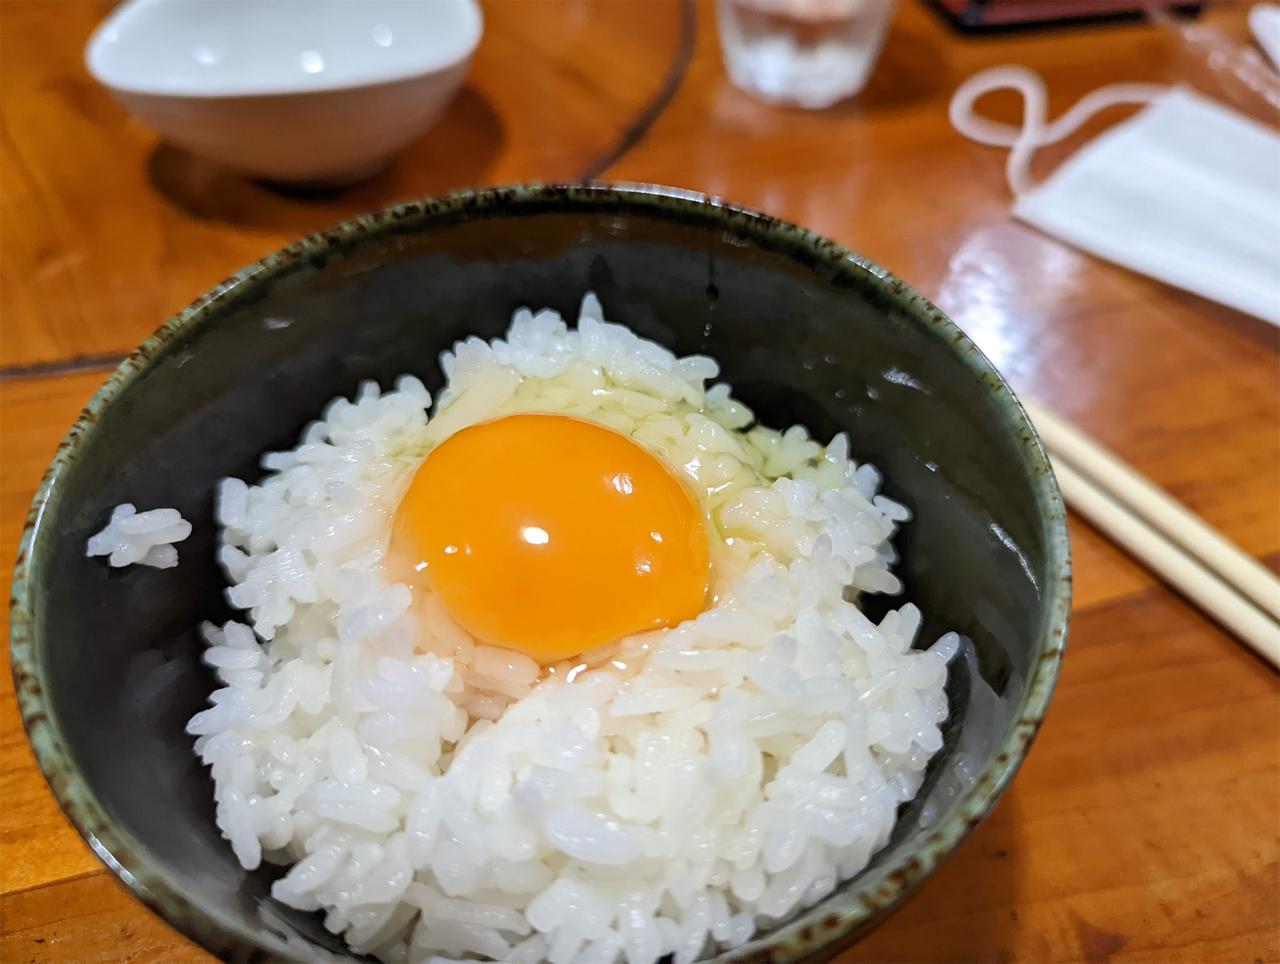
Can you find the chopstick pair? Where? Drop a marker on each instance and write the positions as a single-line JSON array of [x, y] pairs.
[[1169, 539]]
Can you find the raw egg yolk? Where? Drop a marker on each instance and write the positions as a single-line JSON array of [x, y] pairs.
[[552, 536]]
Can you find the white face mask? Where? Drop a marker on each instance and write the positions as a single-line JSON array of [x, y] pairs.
[[1186, 191]]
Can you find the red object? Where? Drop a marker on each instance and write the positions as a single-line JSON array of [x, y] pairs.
[[997, 14]]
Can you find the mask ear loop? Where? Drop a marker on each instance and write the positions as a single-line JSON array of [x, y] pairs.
[[1024, 141]]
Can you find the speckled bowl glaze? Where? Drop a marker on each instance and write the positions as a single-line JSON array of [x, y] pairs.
[[106, 662]]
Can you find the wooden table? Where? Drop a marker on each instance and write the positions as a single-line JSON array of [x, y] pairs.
[[1145, 824]]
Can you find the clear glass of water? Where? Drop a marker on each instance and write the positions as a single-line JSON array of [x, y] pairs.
[[809, 53]]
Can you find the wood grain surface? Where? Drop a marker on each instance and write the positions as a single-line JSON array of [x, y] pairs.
[[1146, 823]]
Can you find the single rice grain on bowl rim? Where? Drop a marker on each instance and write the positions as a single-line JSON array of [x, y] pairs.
[[568, 667]]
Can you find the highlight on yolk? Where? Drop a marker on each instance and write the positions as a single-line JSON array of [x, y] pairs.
[[552, 535]]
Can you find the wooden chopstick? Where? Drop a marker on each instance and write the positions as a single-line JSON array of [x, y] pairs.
[[1163, 534], [1173, 520]]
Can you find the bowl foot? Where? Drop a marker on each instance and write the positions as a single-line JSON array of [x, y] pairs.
[[329, 182]]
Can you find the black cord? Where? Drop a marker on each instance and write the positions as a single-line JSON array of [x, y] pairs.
[[639, 127], [79, 363]]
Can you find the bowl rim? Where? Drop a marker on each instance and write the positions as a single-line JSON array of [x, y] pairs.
[[838, 918]]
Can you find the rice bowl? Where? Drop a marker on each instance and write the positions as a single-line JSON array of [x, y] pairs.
[[806, 331], [669, 794]]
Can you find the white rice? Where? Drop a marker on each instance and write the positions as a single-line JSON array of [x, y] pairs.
[[440, 798], [144, 538]]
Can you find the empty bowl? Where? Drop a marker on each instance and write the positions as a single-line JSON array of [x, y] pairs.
[[298, 91]]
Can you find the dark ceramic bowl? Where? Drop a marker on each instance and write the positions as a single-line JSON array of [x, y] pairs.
[[106, 662]]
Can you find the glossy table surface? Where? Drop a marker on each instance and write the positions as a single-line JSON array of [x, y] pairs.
[[1146, 823]]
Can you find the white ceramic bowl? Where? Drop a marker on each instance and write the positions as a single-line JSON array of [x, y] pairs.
[[319, 92]]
